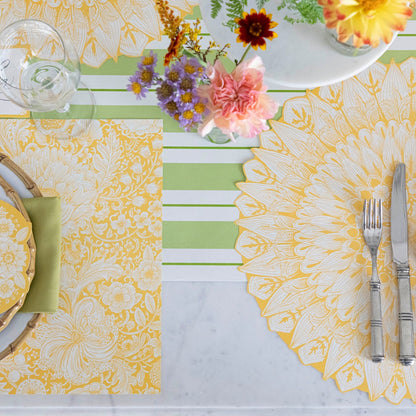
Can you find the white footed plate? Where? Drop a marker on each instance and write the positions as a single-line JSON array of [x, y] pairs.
[[300, 57], [22, 323]]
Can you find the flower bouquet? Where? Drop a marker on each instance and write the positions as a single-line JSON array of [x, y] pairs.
[[356, 22], [197, 90]]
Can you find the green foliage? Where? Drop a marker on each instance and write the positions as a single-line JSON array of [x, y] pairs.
[[261, 3], [306, 11], [234, 9], [216, 6]]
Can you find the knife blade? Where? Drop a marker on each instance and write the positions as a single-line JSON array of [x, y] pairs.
[[399, 243]]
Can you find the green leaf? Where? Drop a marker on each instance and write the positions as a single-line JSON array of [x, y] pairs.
[[305, 11], [216, 6], [234, 9], [261, 3]]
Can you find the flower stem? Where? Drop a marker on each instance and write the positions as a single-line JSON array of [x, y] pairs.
[[244, 54]]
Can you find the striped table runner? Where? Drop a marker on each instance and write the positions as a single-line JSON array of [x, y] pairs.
[[199, 177]]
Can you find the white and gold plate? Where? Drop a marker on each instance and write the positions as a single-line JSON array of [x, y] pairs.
[[16, 185], [15, 255]]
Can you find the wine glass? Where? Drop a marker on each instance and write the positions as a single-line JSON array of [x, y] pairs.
[[40, 71]]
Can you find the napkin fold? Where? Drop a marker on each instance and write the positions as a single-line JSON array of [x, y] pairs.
[[45, 214]]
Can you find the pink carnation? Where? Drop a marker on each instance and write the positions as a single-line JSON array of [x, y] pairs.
[[238, 101]]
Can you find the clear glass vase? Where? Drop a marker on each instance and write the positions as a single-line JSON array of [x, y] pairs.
[[217, 136], [346, 48]]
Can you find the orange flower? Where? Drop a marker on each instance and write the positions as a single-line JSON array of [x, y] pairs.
[[175, 46], [367, 21], [170, 22], [254, 28]]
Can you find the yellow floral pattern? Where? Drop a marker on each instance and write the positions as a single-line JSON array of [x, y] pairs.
[[300, 224], [14, 255], [105, 337], [99, 29]]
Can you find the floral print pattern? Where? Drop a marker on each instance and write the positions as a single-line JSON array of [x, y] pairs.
[[100, 29], [14, 255], [300, 224], [105, 336]]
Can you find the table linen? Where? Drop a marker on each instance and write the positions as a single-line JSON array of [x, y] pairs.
[[105, 337], [99, 30], [301, 219], [45, 216]]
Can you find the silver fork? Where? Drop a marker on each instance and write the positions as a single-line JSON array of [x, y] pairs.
[[372, 230]]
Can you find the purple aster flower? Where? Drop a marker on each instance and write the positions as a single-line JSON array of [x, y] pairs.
[[146, 76], [187, 83], [189, 119], [148, 61], [170, 107], [165, 92], [185, 99], [136, 86], [173, 74], [191, 67], [200, 107]]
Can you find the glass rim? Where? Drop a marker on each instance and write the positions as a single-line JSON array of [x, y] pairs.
[[50, 82]]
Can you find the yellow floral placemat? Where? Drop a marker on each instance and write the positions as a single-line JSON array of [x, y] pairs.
[[14, 256], [300, 224], [99, 29], [105, 337]]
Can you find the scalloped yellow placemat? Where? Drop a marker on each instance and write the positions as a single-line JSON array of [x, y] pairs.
[[100, 30], [14, 255], [300, 224], [105, 337]]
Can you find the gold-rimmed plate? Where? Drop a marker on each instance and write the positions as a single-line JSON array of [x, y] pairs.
[[17, 253], [17, 329]]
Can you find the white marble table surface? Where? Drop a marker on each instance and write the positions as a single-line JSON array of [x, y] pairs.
[[218, 359]]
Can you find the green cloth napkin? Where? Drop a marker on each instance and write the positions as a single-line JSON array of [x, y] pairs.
[[45, 214]]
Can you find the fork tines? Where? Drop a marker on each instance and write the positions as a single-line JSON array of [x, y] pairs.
[[372, 213]]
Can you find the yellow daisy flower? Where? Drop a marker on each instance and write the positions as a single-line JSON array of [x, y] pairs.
[[367, 21]]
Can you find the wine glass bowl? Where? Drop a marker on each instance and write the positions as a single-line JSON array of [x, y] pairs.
[[39, 71]]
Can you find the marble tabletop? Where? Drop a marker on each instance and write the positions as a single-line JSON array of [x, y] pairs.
[[218, 358]]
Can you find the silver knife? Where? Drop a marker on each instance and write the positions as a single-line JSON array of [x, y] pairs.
[[401, 258]]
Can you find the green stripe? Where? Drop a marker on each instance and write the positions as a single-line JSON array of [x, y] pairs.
[[397, 56], [138, 112], [199, 234], [122, 112], [202, 264], [202, 176], [125, 65], [196, 14]]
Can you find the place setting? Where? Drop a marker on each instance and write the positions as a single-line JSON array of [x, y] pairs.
[[81, 242], [301, 229], [261, 144]]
